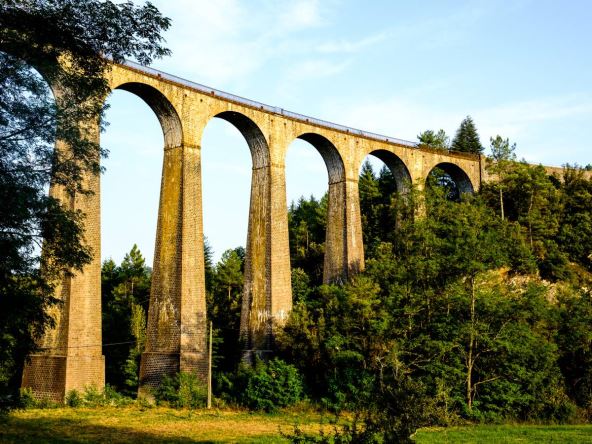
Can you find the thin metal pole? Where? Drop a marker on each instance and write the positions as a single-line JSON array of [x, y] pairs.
[[209, 403]]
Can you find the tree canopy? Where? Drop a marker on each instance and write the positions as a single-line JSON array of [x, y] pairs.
[[431, 139], [53, 57], [466, 139]]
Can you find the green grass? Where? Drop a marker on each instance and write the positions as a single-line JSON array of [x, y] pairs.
[[506, 434], [163, 425]]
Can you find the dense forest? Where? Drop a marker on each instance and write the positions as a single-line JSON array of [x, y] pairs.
[[473, 307]]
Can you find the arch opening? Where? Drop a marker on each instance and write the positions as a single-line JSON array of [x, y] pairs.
[[162, 108], [130, 191], [317, 226], [383, 186], [307, 192], [452, 179], [397, 168], [332, 158], [252, 134], [235, 195]]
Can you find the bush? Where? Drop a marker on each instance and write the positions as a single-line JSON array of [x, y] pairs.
[[73, 399], [269, 385], [183, 390], [26, 398], [93, 397]]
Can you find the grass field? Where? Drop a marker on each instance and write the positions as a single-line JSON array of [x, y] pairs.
[[506, 434], [163, 425]]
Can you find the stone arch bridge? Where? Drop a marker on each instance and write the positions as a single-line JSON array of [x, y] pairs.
[[176, 335]]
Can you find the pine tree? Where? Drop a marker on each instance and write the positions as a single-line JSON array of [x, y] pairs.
[[437, 141], [369, 203], [466, 139], [125, 296]]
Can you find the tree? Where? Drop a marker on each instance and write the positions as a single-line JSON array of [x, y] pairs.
[[307, 222], [125, 295], [369, 205], [68, 42], [224, 307], [502, 156], [437, 141], [467, 139], [533, 199], [574, 339], [575, 231]]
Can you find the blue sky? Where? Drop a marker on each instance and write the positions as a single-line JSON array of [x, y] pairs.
[[521, 69]]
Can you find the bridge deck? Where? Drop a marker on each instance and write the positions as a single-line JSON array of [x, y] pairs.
[[270, 109]]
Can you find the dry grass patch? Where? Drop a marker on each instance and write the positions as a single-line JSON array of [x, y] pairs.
[[135, 424]]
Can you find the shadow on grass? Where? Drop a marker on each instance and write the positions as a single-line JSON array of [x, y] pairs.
[[49, 430]]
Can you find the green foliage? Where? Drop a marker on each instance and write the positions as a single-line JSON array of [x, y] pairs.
[[575, 231], [467, 139], [74, 399], [34, 35], [307, 221], [183, 390], [91, 396], [125, 295], [267, 386], [224, 302], [453, 305], [26, 398], [502, 160], [548, 213], [574, 340], [381, 207], [436, 141]]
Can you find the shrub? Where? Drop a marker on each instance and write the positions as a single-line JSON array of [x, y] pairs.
[[73, 399], [27, 400], [183, 390], [269, 385], [94, 397]]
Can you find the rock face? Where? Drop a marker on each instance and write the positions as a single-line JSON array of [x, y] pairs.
[[176, 339]]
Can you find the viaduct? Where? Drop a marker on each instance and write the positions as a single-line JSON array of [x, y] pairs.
[[176, 330]]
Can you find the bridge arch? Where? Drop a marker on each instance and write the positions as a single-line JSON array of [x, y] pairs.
[[164, 110], [397, 168], [453, 177], [329, 153], [252, 134], [383, 191], [258, 316], [335, 266]]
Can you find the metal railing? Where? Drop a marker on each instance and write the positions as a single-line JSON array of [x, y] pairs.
[[270, 109]]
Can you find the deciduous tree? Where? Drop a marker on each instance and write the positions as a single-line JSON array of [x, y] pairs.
[[68, 42]]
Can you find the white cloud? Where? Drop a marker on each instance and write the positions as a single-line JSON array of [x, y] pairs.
[[317, 68], [349, 46], [227, 40], [301, 14]]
